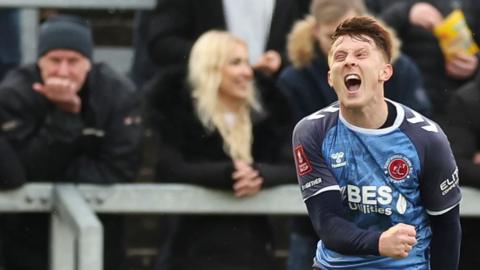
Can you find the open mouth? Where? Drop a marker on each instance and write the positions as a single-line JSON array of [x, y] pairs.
[[352, 82]]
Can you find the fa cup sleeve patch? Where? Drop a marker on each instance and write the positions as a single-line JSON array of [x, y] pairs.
[[301, 160]]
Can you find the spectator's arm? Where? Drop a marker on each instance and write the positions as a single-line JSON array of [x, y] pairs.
[[173, 166], [44, 150], [171, 117], [11, 170]]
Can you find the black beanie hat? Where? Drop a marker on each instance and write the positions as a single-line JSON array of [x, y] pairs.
[[65, 32]]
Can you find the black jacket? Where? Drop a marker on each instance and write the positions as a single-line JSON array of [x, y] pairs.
[[191, 154], [463, 130], [176, 25], [12, 174], [99, 145], [188, 153]]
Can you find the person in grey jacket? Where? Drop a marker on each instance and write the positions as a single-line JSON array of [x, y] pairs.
[[69, 120]]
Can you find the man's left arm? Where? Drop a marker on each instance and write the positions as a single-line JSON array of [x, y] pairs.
[[118, 158], [446, 238], [441, 197]]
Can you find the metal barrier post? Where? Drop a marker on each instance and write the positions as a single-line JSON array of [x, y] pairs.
[[62, 244], [77, 238]]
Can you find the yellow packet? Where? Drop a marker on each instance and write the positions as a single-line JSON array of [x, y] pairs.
[[455, 36]]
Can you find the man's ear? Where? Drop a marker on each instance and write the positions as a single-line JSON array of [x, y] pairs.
[[386, 73], [330, 79]]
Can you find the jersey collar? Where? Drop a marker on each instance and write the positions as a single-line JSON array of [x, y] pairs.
[[398, 121]]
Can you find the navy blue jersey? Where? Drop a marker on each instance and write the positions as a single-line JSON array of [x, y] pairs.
[[398, 174]]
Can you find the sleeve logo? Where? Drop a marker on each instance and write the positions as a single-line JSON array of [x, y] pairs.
[[449, 183], [302, 162], [426, 124]]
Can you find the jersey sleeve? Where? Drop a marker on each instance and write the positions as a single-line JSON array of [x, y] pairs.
[[313, 174], [439, 180]]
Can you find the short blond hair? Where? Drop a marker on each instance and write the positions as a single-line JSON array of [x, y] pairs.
[[301, 41]]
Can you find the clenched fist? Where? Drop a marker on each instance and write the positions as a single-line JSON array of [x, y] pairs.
[[397, 241]]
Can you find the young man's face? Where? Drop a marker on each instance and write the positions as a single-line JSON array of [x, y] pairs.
[[358, 69]]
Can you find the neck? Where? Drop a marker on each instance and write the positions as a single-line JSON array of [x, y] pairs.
[[372, 116], [230, 104]]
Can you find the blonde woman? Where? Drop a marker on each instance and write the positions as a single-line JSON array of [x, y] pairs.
[[217, 130]]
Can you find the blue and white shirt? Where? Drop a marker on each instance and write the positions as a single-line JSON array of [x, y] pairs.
[[398, 174]]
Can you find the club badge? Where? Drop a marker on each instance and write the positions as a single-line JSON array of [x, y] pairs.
[[398, 167]]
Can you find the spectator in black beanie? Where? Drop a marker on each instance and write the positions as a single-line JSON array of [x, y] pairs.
[[69, 120], [65, 32]]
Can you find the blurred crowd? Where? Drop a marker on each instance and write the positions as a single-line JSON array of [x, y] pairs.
[[217, 85]]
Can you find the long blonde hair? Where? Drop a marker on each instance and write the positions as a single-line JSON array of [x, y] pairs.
[[209, 54], [301, 40]]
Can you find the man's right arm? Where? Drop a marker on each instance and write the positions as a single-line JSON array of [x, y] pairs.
[[322, 196], [38, 133], [343, 236]]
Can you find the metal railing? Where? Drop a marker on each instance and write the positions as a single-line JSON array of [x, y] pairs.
[[189, 199], [77, 234]]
